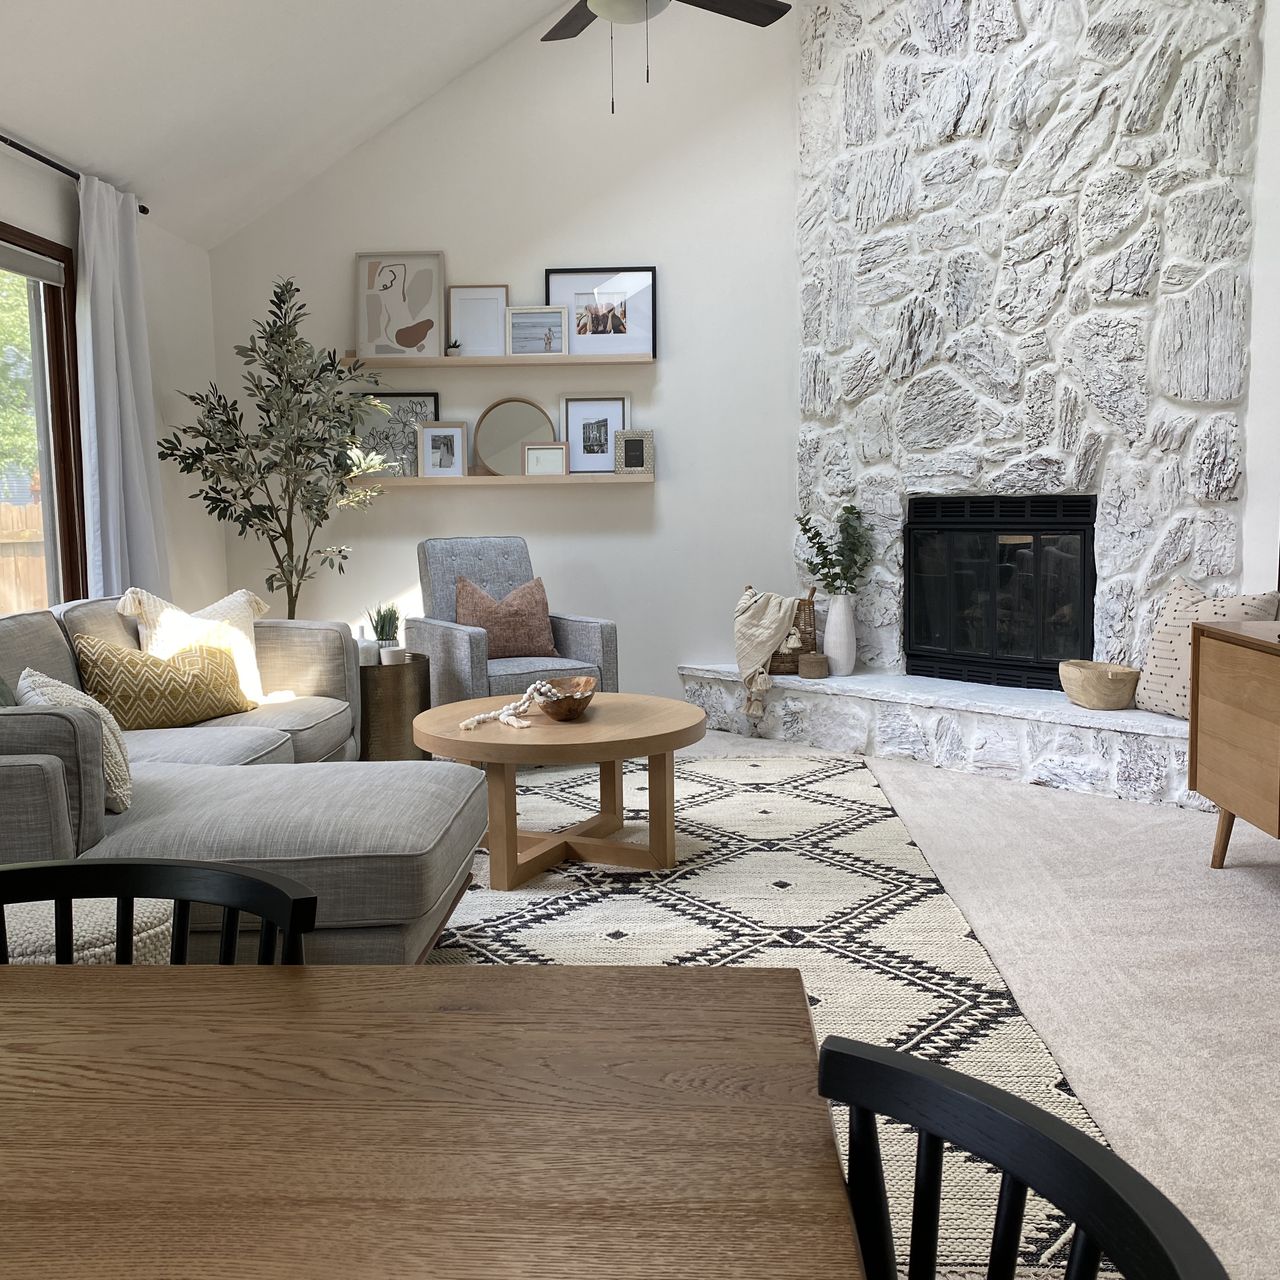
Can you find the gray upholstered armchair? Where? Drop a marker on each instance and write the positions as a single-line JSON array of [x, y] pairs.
[[460, 664]]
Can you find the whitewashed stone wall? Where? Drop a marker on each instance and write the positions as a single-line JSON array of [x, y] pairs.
[[1024, 230]]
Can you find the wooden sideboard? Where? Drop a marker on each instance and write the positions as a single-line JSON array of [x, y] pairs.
[[1234, 757]]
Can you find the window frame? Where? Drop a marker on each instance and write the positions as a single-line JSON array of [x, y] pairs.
[[64, 408]]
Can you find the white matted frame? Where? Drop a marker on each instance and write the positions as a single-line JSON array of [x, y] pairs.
[[589, 424], [477, 318], [537, 331], [400, 305], [443, 449], [546, 459], [613, 311]]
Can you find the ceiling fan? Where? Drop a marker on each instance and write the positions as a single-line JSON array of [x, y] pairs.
[[760, 13]]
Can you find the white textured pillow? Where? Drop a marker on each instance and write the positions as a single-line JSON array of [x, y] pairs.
[[164, 629], [38, 690], [1165, 682]]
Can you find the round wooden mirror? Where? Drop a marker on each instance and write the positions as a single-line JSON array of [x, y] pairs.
[[502, 432]]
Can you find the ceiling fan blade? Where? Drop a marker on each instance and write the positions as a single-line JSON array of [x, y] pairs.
[[761, 13], [574, 23]]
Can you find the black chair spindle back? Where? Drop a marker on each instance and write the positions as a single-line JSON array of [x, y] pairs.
[[286, 909], [1115, 1211]]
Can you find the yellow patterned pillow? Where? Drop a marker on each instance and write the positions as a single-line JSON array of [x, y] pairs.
[[144, 692]]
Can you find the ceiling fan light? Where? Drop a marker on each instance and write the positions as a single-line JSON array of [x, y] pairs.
[[625, 11]]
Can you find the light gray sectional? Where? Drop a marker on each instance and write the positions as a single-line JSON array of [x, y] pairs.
[[387, 848]]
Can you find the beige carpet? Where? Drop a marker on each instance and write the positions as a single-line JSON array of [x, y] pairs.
[[1154, 980]]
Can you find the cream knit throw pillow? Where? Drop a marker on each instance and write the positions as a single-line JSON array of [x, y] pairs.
[[38, 690], [164, 629]]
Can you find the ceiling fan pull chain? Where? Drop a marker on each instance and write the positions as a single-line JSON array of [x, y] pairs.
[[613, 103], [646, 41]]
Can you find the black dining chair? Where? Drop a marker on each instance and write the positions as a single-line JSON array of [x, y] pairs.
[[286, 908], [1116, 1212]]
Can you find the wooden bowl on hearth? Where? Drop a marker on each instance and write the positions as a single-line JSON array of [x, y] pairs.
[[1099, 686], [573, 697]]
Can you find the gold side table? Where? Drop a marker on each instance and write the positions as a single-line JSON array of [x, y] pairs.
[[390, 697]]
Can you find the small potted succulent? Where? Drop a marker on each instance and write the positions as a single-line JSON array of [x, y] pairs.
[[386, 631], [454, 348]]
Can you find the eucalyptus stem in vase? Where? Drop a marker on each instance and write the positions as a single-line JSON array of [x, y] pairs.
[[838, 563]]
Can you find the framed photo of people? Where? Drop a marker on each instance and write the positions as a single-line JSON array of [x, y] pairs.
[[537, 331], [613, 311], [588, 425]]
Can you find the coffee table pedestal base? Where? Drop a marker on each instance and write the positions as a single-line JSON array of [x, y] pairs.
[[516, 856]]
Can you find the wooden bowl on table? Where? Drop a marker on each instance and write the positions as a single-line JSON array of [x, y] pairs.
[[573, 697], [1099, 686]]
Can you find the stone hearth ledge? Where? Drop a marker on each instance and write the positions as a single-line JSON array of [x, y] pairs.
[[1030, 735]]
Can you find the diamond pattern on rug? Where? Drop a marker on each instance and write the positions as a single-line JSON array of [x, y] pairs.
[[795, 862]]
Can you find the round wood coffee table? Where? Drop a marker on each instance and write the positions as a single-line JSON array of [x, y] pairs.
[[616, 727]]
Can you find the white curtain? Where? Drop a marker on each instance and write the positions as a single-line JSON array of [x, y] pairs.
[[124, 515]]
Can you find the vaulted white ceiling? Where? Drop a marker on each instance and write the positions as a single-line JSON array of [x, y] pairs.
[[214, 110]]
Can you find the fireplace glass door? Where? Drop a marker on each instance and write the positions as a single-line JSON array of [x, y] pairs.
[[999, 590]]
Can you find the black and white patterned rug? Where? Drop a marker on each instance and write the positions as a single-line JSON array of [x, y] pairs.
[[794, 862]]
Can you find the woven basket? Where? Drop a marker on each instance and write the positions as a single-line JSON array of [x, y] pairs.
[[788, 664]]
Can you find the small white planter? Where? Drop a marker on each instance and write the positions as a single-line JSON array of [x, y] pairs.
[[840, 643], [391, 655]]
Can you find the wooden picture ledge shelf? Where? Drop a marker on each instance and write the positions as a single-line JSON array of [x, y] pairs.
[[579, 477], [489, 362]]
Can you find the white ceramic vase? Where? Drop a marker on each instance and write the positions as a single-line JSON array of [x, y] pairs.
[[840, 643]]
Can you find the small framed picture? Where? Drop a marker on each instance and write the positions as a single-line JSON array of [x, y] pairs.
[[589, 425], [537, 331], [546, 459], [633, 453], [613, 310], [477, 318], [392, 424], [444, 449], [400, 304]]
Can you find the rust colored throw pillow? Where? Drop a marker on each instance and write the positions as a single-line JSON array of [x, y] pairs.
[[518, 626], [145, 692]]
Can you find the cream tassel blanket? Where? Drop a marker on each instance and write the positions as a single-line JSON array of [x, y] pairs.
[[763, 623]]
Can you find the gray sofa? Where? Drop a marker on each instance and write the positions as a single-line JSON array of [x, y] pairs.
[[387, 848], [460, 664]]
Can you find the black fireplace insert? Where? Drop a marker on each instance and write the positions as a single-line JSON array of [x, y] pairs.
[[999, 590]]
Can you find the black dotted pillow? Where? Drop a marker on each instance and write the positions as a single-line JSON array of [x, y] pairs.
[[1165, 683]]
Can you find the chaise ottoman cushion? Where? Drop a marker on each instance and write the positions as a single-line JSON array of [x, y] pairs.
[[318, 726], [378, 844], [210, 743]]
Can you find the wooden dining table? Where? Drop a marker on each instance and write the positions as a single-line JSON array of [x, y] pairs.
[[442, 1121]]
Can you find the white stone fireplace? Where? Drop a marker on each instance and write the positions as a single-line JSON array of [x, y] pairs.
[[1024, 233]]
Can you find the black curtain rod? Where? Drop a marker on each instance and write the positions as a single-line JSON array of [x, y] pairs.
[[50, 161]]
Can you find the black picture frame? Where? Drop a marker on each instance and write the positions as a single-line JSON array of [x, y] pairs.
[[377, 439], [652, 273]]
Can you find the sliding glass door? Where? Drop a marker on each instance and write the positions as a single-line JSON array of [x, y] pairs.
[[41, 507]]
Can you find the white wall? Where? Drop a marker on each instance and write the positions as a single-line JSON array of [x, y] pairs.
[[180, 326], [519, 166], [1260, 527]]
